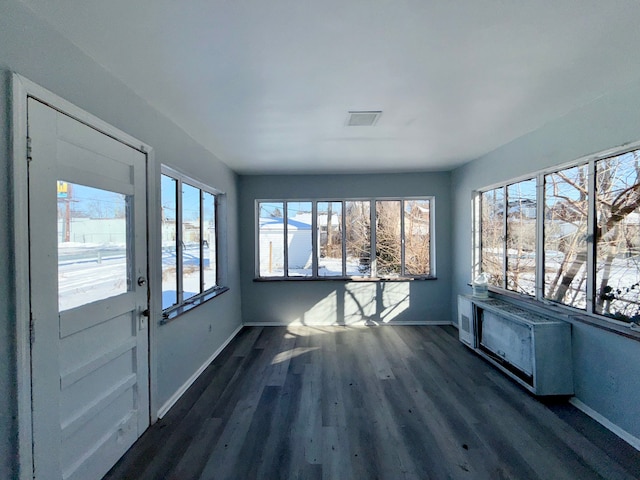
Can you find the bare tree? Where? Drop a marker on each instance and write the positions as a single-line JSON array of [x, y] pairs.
[[618, 196], [417, 257], [618, 238], [388, 237], [567, 208], [492, 227], [358, 231], [521, 236]]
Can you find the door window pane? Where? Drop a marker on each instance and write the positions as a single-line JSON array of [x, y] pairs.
[[271, 239], [329, 239], [521, 237], [618, 237], [565, 233], [190, 241], [299, 246], [358, 238], [209, 239], [388, 238], [492, 235], [93, 261], [417, 244], [168, 188]]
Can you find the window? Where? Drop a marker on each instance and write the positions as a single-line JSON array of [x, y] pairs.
[[388, 238], [565, 234], [271, 232], [336, 238], [617, 258], [299, 240], [521, 214], [584, 251], [295, 253], [417, 237], [189, 241], [358, 238], [169, 216], [508, 232], [330, 249], [492, 228], [93, 253]]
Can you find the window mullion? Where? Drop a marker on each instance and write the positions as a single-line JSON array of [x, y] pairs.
[[258, 253], [540, 212], [216, 229], [373, 263], [402, 239], [432, 237], [201, 236], [314, 239], [476, 260], [591, 240], [179, 242], [343, 235], [285, 240], [505, 243]]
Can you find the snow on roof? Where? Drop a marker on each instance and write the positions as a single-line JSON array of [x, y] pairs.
[[632, 218], [276, 223], [307, 218]]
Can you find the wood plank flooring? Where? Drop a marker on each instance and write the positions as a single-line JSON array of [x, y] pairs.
[[368, 403]]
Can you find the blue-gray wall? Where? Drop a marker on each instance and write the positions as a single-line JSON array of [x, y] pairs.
[[329, 302], [606, 365], [31, 48]]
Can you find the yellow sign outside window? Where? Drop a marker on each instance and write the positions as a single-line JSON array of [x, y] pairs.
[[63, 189]]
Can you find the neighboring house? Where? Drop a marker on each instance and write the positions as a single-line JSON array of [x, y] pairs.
[[271, 241]]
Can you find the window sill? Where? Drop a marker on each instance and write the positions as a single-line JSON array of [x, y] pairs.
[[343, 279], [631, 331], [174, 312]]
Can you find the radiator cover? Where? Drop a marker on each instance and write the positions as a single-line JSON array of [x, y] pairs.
[[533, 349]]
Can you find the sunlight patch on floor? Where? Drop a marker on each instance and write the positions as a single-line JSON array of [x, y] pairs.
[[289, 354]]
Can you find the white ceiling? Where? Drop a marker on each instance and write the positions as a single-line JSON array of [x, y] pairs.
[[266, 85]]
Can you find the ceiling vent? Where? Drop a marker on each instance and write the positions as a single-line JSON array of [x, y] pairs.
[[363, 118]]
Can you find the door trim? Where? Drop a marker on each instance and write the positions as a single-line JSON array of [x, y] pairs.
[[22, 89]]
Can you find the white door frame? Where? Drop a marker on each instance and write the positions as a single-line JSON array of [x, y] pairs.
[[23, 88]]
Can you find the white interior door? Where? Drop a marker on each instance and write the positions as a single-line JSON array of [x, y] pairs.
[[88, 268]]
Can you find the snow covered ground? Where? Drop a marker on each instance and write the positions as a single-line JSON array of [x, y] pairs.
[[91, 272], [327, 267]]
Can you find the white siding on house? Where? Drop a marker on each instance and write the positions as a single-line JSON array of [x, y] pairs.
[[272, 248]]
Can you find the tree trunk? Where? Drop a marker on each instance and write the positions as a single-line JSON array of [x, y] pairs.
[[574, 268]]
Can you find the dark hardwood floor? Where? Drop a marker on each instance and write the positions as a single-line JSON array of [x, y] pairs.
[[364, 403]]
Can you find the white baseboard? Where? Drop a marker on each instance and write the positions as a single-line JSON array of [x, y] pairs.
[[185, 386], [354, 324], [624, 435]]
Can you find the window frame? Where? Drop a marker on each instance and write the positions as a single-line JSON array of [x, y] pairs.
[[182, 305], [590, 162], [372, 230]]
